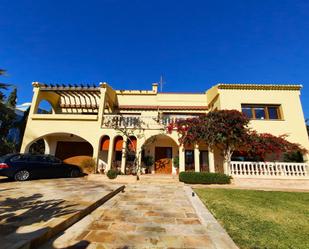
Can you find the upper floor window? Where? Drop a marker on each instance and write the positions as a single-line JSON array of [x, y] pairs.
[[255, 111]]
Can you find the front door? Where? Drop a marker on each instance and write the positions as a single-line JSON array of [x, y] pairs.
[[163, 160]]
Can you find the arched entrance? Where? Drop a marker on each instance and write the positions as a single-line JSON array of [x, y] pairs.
[[117, 156], [163, 149], [68, 147]]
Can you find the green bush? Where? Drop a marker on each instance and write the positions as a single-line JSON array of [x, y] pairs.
[[204, 178], [112, 174], [176, 161]]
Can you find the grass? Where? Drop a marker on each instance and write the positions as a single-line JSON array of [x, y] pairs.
[[261, 219]]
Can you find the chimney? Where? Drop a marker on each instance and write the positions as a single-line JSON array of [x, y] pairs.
[[155, 87]]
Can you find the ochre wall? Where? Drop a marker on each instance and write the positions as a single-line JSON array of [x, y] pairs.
[[293, 122]]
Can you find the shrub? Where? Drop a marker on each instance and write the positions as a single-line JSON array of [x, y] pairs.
[[176, 161], [148, 161], [112, 174], [204, 178], [88, 165], [295, 157]]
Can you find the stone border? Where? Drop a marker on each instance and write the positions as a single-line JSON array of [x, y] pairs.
[[216, 232], [57, 228]]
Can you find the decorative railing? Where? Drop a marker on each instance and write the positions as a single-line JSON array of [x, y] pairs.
[[134, 121], [269, 169]]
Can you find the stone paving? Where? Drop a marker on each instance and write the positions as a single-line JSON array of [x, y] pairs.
[[147, 216], [29, 209]]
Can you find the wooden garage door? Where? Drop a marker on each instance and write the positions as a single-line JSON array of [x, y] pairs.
[[73, 152]]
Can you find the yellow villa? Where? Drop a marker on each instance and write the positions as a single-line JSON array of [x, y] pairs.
[[98, 122]]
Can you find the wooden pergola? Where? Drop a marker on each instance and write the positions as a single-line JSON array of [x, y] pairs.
[[75, 97]]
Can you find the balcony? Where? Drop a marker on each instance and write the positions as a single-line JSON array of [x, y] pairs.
[[138, 121]]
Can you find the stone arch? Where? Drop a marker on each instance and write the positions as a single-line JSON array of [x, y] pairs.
[[117, 152], [103, 153], [68, 147], [163, 149], [40, 146]]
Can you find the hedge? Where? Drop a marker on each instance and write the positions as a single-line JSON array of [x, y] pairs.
[[204, 178]]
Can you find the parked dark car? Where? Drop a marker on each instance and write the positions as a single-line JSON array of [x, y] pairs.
[[22, 167]]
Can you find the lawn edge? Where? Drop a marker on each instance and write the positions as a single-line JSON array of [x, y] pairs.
[[218, 234]]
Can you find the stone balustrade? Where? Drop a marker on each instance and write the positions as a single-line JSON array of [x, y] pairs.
[[149, 122], [269, 170]]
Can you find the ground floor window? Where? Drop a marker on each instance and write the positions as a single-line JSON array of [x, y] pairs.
[[204, 163], [189, 160]]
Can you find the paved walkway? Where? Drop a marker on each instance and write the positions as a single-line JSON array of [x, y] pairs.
[[148, 216]]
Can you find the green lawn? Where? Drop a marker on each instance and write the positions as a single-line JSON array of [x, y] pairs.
[[261, 219]]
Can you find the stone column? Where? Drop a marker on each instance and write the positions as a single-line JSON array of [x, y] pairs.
[[211, 160], [95, 155], [110, 154], [101, 103], [181, 158], [124, 155], [196, 158], [139, 159], [226, 168]]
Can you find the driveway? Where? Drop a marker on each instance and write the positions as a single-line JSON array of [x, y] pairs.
[[30, 209], [147, 216]]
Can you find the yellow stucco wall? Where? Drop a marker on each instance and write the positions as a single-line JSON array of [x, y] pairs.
[[293, 122], [57, 127]]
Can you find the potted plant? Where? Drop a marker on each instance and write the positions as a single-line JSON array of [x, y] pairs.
[[148, 162], [176, 163]]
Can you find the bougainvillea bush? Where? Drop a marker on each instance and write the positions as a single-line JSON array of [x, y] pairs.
[[229, 131], [264, 144]]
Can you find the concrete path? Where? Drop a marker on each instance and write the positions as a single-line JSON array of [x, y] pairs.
[[158, 215], [33, 211]]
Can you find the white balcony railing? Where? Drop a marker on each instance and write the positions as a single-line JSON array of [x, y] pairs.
[[269, 169], [147, 122]]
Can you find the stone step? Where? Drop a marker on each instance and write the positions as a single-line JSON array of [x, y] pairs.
[[166, 179]]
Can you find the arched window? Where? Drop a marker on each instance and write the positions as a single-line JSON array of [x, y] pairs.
[[105, 143], [38, 147], [45, 107]]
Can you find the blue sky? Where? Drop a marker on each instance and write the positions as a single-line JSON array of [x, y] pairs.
[[130, 43]]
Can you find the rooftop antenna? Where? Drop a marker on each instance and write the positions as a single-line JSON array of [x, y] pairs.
[[161, 82]]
